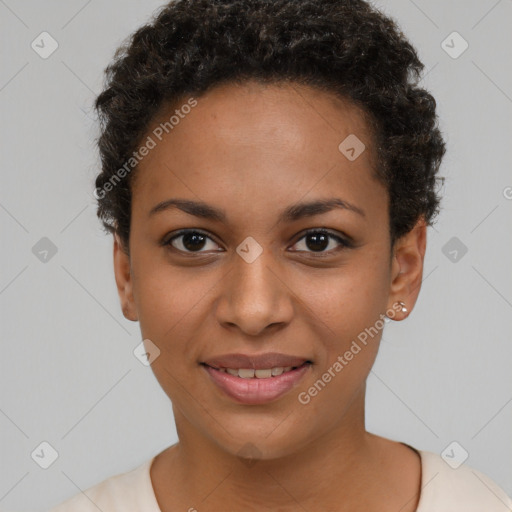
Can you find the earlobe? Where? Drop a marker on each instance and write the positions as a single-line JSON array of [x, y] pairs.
[[124, 281], [407, 270]]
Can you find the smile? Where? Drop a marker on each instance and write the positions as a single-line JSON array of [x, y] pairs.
[[251, 373], [256, 386]]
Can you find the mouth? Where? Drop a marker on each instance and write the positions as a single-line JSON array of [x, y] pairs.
[[256, 385], [260, 373]]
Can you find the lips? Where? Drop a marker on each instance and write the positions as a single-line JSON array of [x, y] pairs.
[[261, 388], [256, 362]]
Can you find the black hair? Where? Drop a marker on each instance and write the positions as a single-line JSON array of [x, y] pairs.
[[346, 47]]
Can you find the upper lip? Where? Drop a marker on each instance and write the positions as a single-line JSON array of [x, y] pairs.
[[258, 362]]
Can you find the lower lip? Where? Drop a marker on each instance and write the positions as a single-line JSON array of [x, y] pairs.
[[256, 391]]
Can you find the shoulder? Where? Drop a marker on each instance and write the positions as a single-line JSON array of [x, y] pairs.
[[448, 489], [131, 490]]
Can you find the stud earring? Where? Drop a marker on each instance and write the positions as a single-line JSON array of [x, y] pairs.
[[404, 309]]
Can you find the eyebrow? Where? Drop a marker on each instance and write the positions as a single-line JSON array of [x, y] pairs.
[[292, 213]]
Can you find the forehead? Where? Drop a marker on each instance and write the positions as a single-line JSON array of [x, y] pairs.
[[253, 112], [258, 142]]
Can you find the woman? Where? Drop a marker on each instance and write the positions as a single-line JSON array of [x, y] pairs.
[[269, 170]]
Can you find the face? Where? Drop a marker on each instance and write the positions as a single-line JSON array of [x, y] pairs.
[[258, 271]]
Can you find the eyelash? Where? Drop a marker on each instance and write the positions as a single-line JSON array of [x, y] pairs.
[[343, 242]]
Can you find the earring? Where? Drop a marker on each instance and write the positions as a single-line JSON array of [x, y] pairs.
[[404, 309]]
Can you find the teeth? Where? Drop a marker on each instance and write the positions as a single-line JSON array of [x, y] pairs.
[[263, 374], [250, 373]]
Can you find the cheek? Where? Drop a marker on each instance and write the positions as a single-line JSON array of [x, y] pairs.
[[345, 301], [170, 309], [344, 311], [169, 305]]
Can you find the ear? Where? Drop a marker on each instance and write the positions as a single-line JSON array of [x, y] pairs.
[[124, 281], [407, 269]]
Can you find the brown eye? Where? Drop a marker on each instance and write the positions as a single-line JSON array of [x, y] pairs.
[[190, 241], [319, 240]]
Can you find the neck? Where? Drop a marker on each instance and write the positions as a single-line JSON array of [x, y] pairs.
[[332, 472]]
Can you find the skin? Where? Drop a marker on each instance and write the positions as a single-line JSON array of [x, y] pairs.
[[253, 150]]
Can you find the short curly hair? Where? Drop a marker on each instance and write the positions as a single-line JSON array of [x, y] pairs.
[[346, 47]]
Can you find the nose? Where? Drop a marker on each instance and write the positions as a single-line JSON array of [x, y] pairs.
[[255, 297]]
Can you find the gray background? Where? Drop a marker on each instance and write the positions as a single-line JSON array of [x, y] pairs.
[[68, 375]]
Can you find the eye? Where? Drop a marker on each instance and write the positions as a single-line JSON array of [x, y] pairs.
[[189, 241], [318, 240]]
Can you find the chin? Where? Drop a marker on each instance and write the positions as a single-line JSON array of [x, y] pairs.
[[262, 444]]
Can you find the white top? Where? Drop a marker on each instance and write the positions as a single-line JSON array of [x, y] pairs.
[[443, 489]]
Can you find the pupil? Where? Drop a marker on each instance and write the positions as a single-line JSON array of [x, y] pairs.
[[320, 241], [193, 241], [315, 242]]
